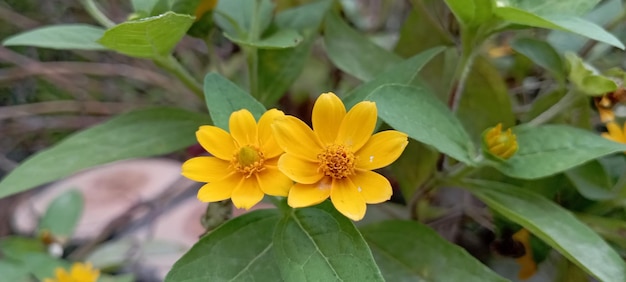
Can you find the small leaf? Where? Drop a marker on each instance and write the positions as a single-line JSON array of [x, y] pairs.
[[235, 16], [224, 97], [151, 37], [542, 54], [318, 243], [402, 73], [239, 250], [63, 37], [555, 226], [550, 149], [471, 13], [353, 53], [586, 79], [63, 214], [542, 7], [592, 181], [141, 133], [286, 38], [15, 248], [417, 112], [410, 251]]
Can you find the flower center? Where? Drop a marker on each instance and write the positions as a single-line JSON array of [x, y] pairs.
[[248, 160], [336, 161]]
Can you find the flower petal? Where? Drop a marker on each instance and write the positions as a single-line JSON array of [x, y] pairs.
[[269, 146], [374, 187], [358, 125], [206, 169], [306, 195], [247, 194], [616, 132], [381, 150], [219, 191], [216, 141], [243, 128], [299, 170], [295, 137], [328, 112], [273, 182], [347, 199]]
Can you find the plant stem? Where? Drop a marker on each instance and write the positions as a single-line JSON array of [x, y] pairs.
[[96, 14], [253, 52], [172, 65], [463, 69], [556, 109]]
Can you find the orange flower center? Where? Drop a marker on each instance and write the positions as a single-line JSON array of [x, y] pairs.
[[336, 161], [248, 160]]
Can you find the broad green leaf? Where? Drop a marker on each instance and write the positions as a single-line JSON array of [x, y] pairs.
[[43, 266], [286, 38], [555, 226], [224, 97], [402, 73], [353, 53], [586, 79], [610, 228], [142, 133], [542, 54], [318, 243], [548, 7], [111, 254], [63, 214], [485, 101], [558, 22], [550, 149], [417, 112], [14, 272], [592, 181], [239, 250], [64, 37], [278, 69], [235, 17], [410, 251], [471, 12], [15, 248], [151, 37]]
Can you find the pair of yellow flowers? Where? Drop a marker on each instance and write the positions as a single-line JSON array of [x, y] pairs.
[[282, 156]]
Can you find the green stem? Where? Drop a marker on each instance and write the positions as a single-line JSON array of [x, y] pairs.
[[556, 109], [253, 52], [464, 67], [172, 65], [96, 14]]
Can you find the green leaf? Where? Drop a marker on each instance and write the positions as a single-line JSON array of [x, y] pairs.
[[485, 101], [417, 112], [410, 251], [43, 266], [471, 13], [543, 7], [318, 243], [558, 22], [14, 272], [63, 214], [542, 54], [151, 37], [286, 38], [239, 250], [141, 133], [224, 97], [235, 17], [550, 149], [587, 79], [144, 6], [555, 226], [610, 228], [402, 73], [278, 69], [14, 247], [413, 167], [592, 181], [353, 53], [63, 37]]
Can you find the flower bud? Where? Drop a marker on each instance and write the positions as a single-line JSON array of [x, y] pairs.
[[501, 145]]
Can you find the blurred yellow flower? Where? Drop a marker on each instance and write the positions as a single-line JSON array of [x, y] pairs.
[[528, 266], [244, 163], [79, 272], [616, 133], [500, 144], [336, 157], [203, 7]]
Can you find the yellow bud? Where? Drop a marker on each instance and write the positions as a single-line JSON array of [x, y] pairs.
[[500, 144]]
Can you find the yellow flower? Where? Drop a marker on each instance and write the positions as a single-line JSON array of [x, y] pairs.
[[528, 266], [79, 272], [244, 163], [203, 7], [499, 144], [616, 133], [335, 159]]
